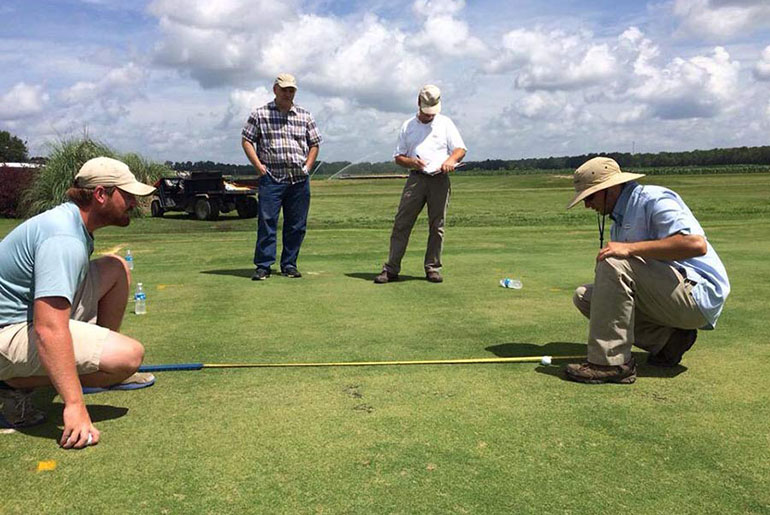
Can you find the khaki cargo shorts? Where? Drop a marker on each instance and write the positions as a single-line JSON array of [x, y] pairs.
[[18, 347]]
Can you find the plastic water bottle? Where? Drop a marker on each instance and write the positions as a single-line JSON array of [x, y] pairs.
[[140, 300], [511, 283], [129, 259]]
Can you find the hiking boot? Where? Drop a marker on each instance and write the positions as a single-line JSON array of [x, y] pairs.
[[260, 274], [590, 373], [291, 271], [433, 276], [671, 354], [385, 277], [18, 410]]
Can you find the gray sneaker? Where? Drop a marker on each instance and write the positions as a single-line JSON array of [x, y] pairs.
[[18, 410]]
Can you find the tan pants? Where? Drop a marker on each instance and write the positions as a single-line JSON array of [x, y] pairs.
[[419, 190], [18, 342], [634, 301]]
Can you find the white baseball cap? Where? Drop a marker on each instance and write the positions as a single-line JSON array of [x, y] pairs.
[[105, 171], [286, 80], [430, 99]]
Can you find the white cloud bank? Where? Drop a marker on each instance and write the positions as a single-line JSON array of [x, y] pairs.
[[515, 86], [22, 100], [721, 18]]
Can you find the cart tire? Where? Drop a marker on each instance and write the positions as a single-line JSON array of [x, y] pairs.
[[205, 210], [155, 208], [247, 208]]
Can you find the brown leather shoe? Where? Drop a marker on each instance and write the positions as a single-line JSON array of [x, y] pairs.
[[433, 277], [590, 373], [385, 277], [671, 354]]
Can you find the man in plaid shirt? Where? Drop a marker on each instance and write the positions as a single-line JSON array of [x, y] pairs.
[[281, 141]]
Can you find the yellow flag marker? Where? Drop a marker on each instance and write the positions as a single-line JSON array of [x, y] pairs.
[[46, 465]]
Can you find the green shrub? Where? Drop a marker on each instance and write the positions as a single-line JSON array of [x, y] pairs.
[[65, 159]]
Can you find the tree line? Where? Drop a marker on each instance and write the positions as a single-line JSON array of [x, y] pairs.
[[713, 157], [13, 149]]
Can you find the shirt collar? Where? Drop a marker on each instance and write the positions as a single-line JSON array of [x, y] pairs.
[[622, 202], [272, 105]]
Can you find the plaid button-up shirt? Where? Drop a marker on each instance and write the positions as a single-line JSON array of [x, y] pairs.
[[282, 141]]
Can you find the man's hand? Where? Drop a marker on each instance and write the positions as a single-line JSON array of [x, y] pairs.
[[261, 169], [449, 165], [615, 249], [418, 163], [678, 246], [77, 427]]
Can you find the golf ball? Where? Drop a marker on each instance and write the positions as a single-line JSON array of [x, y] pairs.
[[545, 360], [90, 439]]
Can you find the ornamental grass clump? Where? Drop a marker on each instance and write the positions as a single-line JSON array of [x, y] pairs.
[[65, 159]]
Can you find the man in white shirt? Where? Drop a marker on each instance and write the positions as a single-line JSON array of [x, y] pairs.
[[430, 146]]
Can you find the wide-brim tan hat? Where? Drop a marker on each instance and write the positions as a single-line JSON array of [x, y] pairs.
[[105, 171], [286, 80], [598, 174], [430, 99]]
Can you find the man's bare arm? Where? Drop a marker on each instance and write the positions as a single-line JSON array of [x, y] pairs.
[[54, 345], [676, 247], [251, 154]]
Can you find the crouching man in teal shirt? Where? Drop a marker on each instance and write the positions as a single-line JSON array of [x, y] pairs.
[[656, 283], [60, 312]]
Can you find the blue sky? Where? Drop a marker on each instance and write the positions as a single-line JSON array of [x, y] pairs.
[[176, 79]]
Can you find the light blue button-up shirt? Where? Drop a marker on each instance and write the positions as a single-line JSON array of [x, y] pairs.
[[645, 213]]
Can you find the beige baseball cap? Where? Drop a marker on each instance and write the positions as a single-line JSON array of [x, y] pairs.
[[598, 174], [430, 99], [105, 171], [286, 80]]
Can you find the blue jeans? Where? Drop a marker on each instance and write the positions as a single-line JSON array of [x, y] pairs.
[[295, 201]]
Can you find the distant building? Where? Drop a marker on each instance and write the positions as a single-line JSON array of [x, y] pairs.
[[32, 166]]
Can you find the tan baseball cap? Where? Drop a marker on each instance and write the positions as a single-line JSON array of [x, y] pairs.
[[430, 99], [105, 171], [598, 174], [286, 80]]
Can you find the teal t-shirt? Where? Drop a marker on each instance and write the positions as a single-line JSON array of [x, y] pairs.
[[46, 256]]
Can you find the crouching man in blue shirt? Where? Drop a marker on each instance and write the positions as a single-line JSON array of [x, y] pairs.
[[60, 312], [656, 282]]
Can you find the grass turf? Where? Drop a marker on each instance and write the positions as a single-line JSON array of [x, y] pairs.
[[415, 439]]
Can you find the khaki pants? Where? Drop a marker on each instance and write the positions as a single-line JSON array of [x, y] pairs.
[[634, 301], [18, 342], [419, 190]]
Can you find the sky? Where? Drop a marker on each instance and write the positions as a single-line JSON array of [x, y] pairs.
[[176, 79]]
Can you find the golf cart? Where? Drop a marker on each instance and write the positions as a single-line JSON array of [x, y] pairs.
[[203, 195]]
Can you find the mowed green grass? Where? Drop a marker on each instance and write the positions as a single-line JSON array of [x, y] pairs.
[[502, 438]]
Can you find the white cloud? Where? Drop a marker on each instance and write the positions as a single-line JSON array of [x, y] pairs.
[[762, 68], [364, 60], [721, 18], [697, 87], [241, 42], [21, 101], [443, 32], [431, 8], [241, 103], [542, 105], [553, 60], [120, 82], [228, 15]]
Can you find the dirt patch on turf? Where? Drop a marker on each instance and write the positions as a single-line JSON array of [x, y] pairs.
[[353, 391]]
